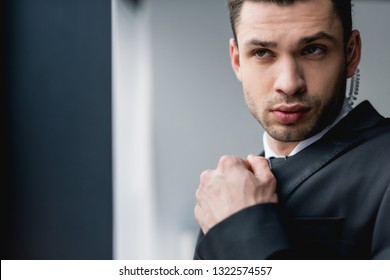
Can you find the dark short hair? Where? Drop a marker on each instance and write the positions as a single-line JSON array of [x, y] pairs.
[[342, 8]]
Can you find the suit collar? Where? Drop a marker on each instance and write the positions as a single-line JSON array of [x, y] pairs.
[[361, 117], [293, 171]]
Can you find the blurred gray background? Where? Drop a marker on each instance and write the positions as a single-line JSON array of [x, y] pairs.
[[198, 112], [113, 109]]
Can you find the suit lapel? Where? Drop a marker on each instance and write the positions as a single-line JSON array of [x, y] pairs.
[[293, 171]]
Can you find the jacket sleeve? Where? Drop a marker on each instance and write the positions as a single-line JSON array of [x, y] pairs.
[[381, 237], [253, 233]]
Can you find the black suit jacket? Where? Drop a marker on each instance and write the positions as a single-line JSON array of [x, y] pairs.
[[334, 201]]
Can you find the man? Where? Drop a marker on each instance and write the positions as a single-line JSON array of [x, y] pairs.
[[321, 189]]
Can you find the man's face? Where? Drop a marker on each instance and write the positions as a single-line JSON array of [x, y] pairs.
[[291, 62]]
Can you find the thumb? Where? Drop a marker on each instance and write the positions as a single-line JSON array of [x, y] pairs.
[[259, 165]]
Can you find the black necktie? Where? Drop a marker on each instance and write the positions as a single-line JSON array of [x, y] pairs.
[[273, 161]]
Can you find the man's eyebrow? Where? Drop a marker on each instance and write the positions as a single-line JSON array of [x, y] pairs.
[[305, 40], [259, 43], [318, 36]]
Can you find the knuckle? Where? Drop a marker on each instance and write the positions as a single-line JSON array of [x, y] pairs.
[[269, 177], [228, 161], [262, 161], [205, 176], [196, 211], [198, 194]]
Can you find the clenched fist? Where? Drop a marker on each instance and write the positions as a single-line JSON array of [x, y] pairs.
[[236, 184]]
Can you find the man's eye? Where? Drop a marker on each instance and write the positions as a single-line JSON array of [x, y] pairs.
[[263, 53], [314, 50]]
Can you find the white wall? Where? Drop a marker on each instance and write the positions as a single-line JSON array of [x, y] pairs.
[[198, 112], [132, 95]]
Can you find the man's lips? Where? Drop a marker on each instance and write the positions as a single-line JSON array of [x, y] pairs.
[[289, 114]]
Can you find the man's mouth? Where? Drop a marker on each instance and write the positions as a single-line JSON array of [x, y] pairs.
[[290, 113]]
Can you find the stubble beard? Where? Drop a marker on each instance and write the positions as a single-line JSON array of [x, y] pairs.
[[325, 111]]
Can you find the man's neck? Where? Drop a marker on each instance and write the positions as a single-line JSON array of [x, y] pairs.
[[280, 148]]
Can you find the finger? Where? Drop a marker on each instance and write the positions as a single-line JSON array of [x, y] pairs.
[[199, 216], [197, 212], [198, 195], [259, 165], [205, 175], [226, 162]]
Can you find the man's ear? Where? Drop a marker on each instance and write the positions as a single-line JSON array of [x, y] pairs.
[[235, 58], [354, 51]]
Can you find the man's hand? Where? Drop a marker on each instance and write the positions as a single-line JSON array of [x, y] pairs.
[[236, 184]]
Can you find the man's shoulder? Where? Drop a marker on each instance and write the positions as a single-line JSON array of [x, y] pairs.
[[364, 118]]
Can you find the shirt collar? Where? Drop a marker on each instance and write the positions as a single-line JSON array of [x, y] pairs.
[[307, 142]]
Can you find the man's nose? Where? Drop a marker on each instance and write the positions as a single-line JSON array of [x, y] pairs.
[[289, 78]]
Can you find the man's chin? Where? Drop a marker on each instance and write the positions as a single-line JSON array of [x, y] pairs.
[[289, 134]]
